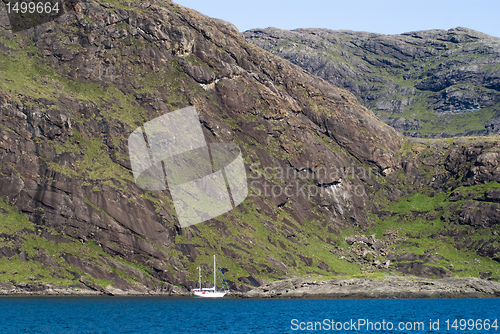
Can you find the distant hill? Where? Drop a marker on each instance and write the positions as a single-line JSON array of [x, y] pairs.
[[433, 83]]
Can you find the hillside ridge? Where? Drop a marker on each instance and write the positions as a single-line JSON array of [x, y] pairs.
[[433, 83]]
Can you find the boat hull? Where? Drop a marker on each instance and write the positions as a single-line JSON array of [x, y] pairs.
[[209, 294]]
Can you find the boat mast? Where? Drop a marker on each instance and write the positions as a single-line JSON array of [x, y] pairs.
[[199, 275], [214, 272]]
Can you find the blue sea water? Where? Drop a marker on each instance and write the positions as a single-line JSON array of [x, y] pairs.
[[229, 315]]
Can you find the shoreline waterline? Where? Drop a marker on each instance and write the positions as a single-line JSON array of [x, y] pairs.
[[388, 287]]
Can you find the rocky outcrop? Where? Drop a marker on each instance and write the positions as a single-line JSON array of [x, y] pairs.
[[87, 288], [458, 181], [386, 287], [426, 83]]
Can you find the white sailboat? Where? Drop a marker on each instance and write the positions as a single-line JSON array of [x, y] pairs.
[[210, 292]]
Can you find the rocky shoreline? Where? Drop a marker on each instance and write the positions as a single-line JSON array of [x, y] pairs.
[[386, 287], [86, 289]]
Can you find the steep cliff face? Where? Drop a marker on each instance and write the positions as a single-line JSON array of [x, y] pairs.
[[454, 191], [74, 89], [320, 166], [432, 83]]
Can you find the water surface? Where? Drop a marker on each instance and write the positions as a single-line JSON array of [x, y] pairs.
[[228, 315]]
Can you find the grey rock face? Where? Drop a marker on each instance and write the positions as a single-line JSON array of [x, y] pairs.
[[389, 287], [432, 83], [64, 160]]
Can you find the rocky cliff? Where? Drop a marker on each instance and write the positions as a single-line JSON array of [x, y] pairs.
[[333, 191], [432, 83]]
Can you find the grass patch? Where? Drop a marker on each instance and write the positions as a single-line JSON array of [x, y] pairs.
[[418, 202]]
